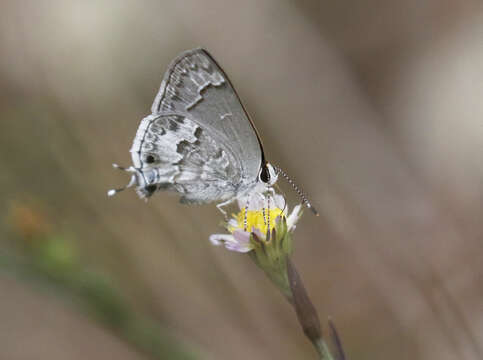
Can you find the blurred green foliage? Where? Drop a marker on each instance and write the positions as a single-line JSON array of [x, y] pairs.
[[50, 260]]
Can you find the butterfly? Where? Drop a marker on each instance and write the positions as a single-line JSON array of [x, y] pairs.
[[199, 140]]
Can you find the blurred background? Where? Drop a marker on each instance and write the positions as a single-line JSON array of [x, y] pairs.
[[374, 107]]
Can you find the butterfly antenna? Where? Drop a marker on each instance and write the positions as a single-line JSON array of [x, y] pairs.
[[298, 191], [113, 192]]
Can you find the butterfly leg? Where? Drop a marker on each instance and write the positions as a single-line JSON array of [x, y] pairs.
[[268, 214], [225, 203], [262, 206], [270, 193], [245, 217], [262, 198]]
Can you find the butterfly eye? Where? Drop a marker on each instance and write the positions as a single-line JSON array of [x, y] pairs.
[[265, 174]]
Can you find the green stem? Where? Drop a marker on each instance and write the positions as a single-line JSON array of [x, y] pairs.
[[322, 349]]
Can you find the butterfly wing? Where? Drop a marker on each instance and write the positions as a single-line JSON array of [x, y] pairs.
[[199, 140], [195, 86], [172, 152]]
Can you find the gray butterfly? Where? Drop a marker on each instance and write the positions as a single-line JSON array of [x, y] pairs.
[[199, 141]]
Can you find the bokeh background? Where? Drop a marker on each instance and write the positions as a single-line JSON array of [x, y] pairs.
[[374, 107]]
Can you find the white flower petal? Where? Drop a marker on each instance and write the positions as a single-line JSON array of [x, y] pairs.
[[242, 201], [241, 236], [219, 239], [294, 217], [233, 223], [243, 248], [280, 202], [255, 200], [239, 241]]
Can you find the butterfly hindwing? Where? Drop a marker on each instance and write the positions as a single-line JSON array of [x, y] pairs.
[[175, 153]]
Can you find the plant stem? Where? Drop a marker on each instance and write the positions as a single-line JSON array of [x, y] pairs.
[[322, 349]]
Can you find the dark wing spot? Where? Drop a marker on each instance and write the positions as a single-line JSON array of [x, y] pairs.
[[198, 132], [174, 121], [150, 189], [173, 125], [179, 119], [174, 94], [149, 159], [183, 147], [164, 186], [157, 129], [218, 154]]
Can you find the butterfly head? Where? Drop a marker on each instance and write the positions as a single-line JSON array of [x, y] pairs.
[[268, 175]]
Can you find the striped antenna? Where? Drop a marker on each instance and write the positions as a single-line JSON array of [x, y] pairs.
[[297, 190]]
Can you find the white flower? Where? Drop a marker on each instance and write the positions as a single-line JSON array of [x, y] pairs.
[[255, 217], [238, 241]]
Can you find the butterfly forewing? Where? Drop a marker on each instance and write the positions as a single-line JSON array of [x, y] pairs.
[[198, 141], [194, 85]]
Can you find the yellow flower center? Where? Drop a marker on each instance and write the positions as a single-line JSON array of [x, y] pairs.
[[257, 219]]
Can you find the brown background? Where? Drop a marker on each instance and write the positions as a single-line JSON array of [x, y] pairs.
[[375, 107]]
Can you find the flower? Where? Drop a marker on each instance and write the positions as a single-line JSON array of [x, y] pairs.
[[265, 234], [259, 220]]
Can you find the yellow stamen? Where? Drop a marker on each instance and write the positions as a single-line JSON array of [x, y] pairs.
[[256, 218]]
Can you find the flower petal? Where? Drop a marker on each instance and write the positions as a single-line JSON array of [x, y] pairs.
[[241, 236], [256, 201], [280, 202], [242, 201], [232, 223], [241, 242], [238, 247], [294, 217], [258, 232], [220, 239]]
